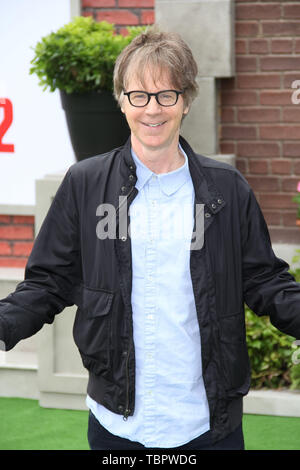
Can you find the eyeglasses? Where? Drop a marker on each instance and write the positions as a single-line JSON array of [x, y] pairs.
[[142, 98]]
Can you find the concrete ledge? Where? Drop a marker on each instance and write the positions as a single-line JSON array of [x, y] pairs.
[[273, 402], [19, 382], [14, 209], [64, 401], [285, 251]]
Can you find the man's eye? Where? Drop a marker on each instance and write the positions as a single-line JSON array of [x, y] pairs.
[[139, 96]]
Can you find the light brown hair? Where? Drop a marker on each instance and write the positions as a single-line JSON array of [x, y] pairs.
[[157, 51]]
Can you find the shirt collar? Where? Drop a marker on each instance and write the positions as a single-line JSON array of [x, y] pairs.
[[169, 182]]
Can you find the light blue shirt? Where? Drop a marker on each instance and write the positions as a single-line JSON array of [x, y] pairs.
[[171, 405]]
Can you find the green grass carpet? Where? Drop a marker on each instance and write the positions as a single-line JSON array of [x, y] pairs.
[[24, 425], [271, 432]]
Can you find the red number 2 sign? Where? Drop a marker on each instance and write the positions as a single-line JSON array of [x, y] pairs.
[[6, 104]]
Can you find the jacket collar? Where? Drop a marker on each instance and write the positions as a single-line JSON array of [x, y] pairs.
[[206, 192]]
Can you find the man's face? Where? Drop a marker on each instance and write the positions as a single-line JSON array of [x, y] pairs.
[[167, 120]]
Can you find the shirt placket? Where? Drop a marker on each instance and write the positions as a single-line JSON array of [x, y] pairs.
[[150, 309]]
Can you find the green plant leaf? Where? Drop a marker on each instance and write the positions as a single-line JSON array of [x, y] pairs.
[[80, 56]]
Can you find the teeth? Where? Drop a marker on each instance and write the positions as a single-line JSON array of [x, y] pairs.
[[154, 125]]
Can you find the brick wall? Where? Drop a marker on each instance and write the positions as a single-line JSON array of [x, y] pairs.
[[259, 122], [16, 239], [120, 12]]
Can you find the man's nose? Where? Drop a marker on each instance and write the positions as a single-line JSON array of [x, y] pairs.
[[153, 106]]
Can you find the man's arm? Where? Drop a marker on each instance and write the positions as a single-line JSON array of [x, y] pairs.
[[52, 273], [269, 289]]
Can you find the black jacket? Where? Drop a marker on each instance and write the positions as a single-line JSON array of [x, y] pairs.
[[69, 265]]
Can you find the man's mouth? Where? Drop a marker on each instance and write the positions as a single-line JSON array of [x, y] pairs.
[[158, 124]]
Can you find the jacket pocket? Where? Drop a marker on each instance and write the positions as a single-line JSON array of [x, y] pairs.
[[92, 329], [96, 303], [234, 355]]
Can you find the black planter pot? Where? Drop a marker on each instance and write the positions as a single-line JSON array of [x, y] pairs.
[[95, 122]]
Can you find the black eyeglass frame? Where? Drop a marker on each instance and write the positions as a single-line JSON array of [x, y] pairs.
[[128, 93]]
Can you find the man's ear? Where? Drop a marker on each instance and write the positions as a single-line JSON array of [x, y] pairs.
[[186, 110], [121, 100]]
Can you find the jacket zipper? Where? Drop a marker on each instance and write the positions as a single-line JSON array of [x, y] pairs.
[[127, 410]]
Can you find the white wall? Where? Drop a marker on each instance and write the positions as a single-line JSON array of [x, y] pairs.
[[38, 131]]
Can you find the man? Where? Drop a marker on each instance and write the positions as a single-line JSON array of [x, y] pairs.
[[160, 321]]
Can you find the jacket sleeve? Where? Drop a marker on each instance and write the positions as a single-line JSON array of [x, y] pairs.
[[269, 289], [52, 273]]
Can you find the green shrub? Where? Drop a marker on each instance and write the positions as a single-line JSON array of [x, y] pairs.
[[270, 353], [80, 56], [295, 376]]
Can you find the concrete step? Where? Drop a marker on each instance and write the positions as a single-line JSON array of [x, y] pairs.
[[273, 402]]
